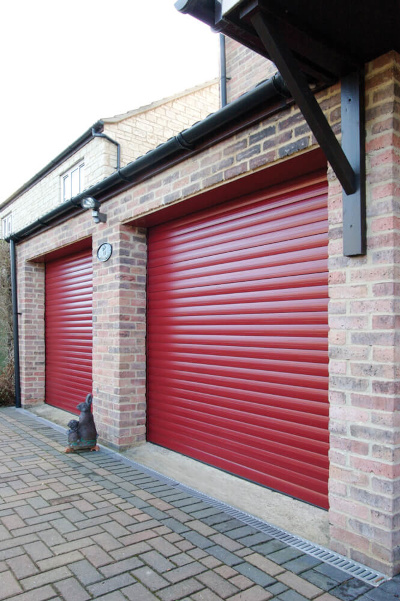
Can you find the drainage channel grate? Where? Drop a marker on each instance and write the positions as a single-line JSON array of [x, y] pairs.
[[353, 568]]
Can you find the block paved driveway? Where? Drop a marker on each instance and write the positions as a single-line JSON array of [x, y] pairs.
[[91, 526]]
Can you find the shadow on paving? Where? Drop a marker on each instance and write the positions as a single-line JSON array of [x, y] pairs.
[[94, 526]]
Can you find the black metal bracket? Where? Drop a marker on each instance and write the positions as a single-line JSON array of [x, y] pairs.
[[348, 160]]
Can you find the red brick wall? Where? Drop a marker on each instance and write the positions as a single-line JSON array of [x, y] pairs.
[[364, 346], [119, 329], [364, 308], [244, 69]]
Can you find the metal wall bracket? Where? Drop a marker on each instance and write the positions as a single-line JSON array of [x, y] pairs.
[[348, 160], [353, 144]]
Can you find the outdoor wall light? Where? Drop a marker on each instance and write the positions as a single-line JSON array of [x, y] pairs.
[[91, 203]]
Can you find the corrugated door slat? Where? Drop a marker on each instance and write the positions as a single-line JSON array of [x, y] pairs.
[[238, 337], [68, 314]]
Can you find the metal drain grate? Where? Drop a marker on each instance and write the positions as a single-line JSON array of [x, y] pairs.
[[353, 568]]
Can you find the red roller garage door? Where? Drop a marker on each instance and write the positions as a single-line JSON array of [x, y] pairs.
[[238, 337], [68, 314]]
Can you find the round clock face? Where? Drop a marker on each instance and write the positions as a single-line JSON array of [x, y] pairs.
[[104, 252]]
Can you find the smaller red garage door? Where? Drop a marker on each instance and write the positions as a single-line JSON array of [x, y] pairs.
[[68, 314], [238, 337]]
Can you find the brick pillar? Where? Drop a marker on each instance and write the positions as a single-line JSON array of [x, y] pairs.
[[119, 320], [31, 329], [364, 346]]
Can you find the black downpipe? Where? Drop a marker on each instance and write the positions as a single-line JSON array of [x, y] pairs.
[[223, 78], [17, 380], [96, 134]]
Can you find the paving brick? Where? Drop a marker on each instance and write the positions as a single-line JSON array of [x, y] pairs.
[[51, 537], [184, 572], [285, 555], [9, 585], [114, 596], [137, 592], [38, 551], [226, 542], [111, 584], [22, 566], [290, 595], [185, 545], [150, 578], [115, 529], [200, 527], [226, 571], [130, 550], [264, 564], [46, 578], [164, 547], [255, 574], [11, 522], [210, 562], [42, 594], [225, 556], [320, 580], [242, 582], [119, 567], [300, 585], [198, 539], [71, 590], [59, 560], [256, 593], [177, 591], [123, 518], [106, 541], [204, 595], [96, 556], [72, 546], [147, 524], [182, 559], [352, 589], [157, 561], [85, 572], [219, 585]]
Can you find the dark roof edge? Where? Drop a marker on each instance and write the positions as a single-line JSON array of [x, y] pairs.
[[178, 147], [65, 154]]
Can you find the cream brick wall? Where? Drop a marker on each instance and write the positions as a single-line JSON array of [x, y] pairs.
[[45, 195], [142, 130], [137, 132]]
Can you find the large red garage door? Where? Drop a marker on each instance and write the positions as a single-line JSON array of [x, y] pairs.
[[68, 314], [237, 337]]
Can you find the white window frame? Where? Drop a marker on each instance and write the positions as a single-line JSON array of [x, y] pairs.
[[73, 181], [6, 225]]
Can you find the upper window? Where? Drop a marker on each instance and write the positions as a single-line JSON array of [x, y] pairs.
[[72, 181], [6, 225]]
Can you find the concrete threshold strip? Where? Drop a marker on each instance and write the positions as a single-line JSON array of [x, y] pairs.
[[353, 568]]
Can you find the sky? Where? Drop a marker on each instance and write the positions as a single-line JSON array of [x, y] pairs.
[[65, 65]]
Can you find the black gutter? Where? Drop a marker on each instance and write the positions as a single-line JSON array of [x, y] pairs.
[[177, 148], [17, 381]]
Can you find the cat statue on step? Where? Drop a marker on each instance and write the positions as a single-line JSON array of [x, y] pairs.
[[82, 434]]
